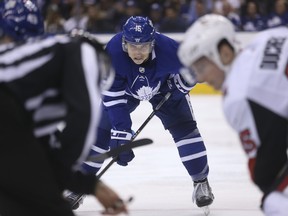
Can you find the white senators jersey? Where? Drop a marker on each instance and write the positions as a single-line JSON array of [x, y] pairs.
[[257, 86]]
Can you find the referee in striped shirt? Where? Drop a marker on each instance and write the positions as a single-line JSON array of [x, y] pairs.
[[45, 82]]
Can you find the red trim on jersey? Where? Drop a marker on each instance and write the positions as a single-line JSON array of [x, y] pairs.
[[283, 184], [251, 166]]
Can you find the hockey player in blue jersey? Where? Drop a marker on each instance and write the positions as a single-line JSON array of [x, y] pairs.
[[147, 67]]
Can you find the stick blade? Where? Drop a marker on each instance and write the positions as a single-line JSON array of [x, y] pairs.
[[116, 151]]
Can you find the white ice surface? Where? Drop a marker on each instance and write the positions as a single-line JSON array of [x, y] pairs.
[[159, 182]]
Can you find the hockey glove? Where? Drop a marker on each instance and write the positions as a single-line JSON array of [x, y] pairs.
[[177, 82], [121, 138]]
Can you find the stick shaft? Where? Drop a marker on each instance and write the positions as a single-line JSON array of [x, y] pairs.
[[166, 97]]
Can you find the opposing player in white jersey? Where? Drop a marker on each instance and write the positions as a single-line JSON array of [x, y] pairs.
[[254, 82]]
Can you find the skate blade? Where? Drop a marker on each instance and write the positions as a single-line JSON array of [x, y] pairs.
[[206, 210]]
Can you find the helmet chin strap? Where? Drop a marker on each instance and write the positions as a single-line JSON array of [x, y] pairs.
[[148, 57], [228, 52], [145, 59], [226, 69]]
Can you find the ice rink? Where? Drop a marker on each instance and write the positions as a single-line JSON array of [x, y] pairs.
[[159, 182]]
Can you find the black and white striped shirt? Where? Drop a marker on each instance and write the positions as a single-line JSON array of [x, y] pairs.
[[56, 80]]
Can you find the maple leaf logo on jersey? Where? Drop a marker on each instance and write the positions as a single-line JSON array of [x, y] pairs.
[[142, 88], [145, 93]]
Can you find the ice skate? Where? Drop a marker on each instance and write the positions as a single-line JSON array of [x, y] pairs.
[[203, 195], [75, 200]]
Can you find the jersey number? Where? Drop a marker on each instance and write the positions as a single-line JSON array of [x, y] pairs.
[[247, 143]]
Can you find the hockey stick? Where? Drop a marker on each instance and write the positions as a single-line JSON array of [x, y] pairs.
[[282, 178], [112, 153], [166, 97], [116, 151]]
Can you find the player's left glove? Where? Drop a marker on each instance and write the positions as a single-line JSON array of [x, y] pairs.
[[177, 82], [121, 138]]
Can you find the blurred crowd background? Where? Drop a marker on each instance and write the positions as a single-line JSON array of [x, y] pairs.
[[108, 16]]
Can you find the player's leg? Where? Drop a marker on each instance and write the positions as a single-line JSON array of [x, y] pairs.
[[193, 155], [271, 157], [27, 183], [101, 146], [177, 116]]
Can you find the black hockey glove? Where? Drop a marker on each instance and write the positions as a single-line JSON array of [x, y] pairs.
[[121, 138]]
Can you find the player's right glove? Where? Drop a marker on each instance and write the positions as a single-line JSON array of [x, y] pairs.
[[121, 138]]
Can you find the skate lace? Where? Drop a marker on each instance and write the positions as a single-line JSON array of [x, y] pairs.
[[200, 189]]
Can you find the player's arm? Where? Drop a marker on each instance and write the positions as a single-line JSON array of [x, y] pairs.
[[115, 103], [115, 99], [82, 97], [239, 115]]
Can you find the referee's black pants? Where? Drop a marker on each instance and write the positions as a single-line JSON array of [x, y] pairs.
[[27, 183]]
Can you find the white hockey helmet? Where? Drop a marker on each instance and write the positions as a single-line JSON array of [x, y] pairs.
[[203, 37]]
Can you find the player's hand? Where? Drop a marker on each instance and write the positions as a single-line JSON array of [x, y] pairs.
[[177, 82], [121, 138], [112, 203]]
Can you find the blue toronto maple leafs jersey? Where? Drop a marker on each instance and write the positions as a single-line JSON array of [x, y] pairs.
[[141, 82]]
